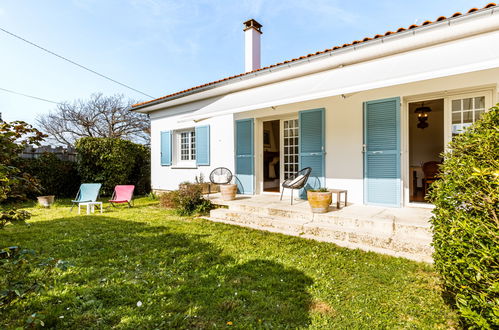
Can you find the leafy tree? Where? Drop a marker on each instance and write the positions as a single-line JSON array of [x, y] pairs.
[[466, 222], [14, 183], [99, 116]]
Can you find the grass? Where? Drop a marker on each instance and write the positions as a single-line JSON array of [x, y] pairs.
[[192, 273]]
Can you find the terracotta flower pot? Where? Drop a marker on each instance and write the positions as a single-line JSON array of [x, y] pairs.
[[228, 191], [46, 201], [319, 201]]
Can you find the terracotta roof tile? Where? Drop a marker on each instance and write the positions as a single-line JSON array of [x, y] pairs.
[[441, 18]]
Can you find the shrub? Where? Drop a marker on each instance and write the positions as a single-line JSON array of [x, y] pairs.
[[187, 200], [466, 222], [56, 177], [24, 274], [113, 161], [14, 137], [13, 216]]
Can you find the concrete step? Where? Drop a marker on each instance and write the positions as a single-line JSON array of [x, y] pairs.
[[381, 235]]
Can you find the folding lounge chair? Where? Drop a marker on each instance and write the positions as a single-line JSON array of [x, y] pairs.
[[88, 193], [122, 194]]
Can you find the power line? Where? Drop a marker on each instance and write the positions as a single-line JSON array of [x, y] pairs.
[[73, 62], [26, 95]]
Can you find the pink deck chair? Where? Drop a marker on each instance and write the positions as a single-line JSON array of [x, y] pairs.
[[122, 194]]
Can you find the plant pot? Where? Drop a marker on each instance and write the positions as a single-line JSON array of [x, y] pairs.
[[319, 201], [46, 201], [228, 191]]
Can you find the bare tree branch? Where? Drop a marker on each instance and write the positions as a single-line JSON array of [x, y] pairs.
[[99, 116]]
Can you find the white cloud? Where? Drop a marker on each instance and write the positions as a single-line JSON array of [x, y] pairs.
[[2, 12]]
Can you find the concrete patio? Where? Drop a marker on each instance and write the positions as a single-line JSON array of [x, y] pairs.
[[401, 232]]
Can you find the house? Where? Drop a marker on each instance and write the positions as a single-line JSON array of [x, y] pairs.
[[365, 116]]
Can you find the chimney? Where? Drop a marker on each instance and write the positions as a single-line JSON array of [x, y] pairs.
[[252, 34]]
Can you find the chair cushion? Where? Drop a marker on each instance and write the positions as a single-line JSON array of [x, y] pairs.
[[296, 180]]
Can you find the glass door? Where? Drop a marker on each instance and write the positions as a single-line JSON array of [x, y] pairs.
[[290, 148], [465, 111]]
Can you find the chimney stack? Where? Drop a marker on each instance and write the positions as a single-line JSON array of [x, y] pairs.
[[252, 34]]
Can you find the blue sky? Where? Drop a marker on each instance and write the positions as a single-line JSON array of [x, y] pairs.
[[163, 46]]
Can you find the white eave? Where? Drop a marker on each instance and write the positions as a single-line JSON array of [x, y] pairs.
[[340, 71]]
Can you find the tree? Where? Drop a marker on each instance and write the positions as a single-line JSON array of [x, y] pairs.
[[99, 116], [14, 183]]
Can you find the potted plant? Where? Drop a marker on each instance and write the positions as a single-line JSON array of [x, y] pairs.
[[228, 191], [46, 201], [319, 200], [205, 186]]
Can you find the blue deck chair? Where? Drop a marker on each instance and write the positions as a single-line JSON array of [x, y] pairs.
[[88, 192]]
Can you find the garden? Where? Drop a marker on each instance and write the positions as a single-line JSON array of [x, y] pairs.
[[147, 267], [159, 264]]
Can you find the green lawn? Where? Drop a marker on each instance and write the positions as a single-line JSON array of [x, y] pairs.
[[192, 273]]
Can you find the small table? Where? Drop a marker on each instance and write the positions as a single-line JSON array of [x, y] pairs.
[[338, 193], [90, 206]]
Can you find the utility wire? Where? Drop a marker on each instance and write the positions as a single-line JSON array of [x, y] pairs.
[[72, 62], [31, 96]]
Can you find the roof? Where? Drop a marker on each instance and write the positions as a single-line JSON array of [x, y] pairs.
[[329, 50]]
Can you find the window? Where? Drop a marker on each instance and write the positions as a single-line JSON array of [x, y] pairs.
[[290, 148], [185, 148], [466, 111]]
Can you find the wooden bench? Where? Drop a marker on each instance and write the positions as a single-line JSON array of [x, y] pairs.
[[338, 193]]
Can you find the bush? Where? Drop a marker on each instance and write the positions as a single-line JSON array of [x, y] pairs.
[[56, 177], [113, 161], [466, 222], [24, 275], [186, 201]]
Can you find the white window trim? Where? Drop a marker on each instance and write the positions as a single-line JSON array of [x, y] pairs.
[[177, 161]]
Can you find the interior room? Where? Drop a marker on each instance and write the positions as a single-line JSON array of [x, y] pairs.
[[426, 144], [271, 156]]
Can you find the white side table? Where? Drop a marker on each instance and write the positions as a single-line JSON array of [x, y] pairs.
[[90, 206]]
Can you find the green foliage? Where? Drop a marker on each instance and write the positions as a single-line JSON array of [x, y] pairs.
[[14, 183], [17, 282], [319, 190], [56, 177], [14, 137], [187, 200], [13, 215], [112, 162], [466, 222], [197, 274]]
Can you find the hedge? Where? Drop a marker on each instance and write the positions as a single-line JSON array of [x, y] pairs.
[[112, 161], [466, 222], [56, 177]]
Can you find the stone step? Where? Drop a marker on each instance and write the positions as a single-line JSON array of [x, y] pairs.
[[382, 224], [381, 235]]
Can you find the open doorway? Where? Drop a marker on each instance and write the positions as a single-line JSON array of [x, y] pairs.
[[271, 156], [426, 144]]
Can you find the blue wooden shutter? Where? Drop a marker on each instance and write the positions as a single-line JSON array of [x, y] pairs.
[[312, 147], [382, 152], [244, 156], [166, 148], [203, 145]]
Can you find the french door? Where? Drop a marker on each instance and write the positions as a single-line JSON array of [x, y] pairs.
[[289, 151]]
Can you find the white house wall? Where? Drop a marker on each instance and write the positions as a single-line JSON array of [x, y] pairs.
[[344, 123], [221, 149]]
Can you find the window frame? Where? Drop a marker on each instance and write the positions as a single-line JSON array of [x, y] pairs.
[[178, 146]]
